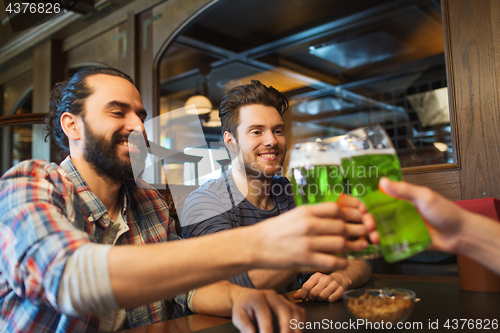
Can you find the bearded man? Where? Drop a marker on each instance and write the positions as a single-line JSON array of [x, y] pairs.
[[86, 247]]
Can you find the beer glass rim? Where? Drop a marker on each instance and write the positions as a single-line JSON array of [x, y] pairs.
[[368, 138], [314, 153]]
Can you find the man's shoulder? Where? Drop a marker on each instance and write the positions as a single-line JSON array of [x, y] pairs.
[[35, 181], [210, 199], [35, 169], [214, 188], [281, 180], [281, 186]]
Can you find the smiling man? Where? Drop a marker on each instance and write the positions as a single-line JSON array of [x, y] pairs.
[[252, 190], [59, 268]]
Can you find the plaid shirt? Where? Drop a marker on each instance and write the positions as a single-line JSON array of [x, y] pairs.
[[46, 213]]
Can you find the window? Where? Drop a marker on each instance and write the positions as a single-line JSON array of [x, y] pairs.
[[341, 64]]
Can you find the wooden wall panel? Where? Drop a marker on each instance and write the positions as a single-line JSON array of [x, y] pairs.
[[112, 20], [48, 69], [13, 89], [446, 183], [474, 41], [98, 50], [16, 71], [174, 15]]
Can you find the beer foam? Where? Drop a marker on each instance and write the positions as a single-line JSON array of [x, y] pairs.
[[371, 151], [308, 154]]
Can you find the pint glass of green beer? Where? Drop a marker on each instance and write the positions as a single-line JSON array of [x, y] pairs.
[[316, 177], [369, 156]]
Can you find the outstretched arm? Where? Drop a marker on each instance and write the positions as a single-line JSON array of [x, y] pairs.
[[305, 236], [452, 228]]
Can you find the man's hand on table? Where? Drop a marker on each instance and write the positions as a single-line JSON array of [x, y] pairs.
[[257, 306], [322, 287]]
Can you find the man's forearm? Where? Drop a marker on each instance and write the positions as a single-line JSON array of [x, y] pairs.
[[354, 275], [144, 274], [276, 279], [480, 240], [215, 299]]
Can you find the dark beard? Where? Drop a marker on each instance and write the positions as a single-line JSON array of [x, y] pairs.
[[256, 173], [102, 156]]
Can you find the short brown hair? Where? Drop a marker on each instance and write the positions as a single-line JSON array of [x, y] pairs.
[[253, 93]]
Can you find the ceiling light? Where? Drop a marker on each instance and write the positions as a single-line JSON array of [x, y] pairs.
[[202, 105]]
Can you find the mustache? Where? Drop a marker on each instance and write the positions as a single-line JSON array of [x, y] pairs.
[[130, 137]]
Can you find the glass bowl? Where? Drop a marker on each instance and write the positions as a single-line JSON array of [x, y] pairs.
[[385, 305]]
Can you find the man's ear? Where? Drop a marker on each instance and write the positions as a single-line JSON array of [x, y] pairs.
[[230, 142], [71, 126]]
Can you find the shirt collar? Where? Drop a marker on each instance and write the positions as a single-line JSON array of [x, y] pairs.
[[95, 205]]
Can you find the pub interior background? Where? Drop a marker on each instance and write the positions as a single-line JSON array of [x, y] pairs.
[[424, 69]]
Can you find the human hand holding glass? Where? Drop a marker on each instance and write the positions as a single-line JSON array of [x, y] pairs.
[[316, 176], [369, 156]]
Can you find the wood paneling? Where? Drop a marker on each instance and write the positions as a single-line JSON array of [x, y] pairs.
[[130, 66], [48, 69], [13, 90], [16, 71], [429, 168], [446, 183], [450, 83], [114, 48], [32, 37], [474, 38], [111, 21], [29, 118], [98, 50], [175, 14]]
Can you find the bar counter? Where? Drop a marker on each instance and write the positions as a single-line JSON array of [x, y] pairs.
[[441, 302]]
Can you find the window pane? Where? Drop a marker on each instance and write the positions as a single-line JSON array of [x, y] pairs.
[[342, 64], [19, 144]]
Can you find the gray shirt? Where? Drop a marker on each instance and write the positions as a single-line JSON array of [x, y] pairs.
[[219, 205]]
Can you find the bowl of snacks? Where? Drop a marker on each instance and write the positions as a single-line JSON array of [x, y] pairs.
[[380, 305]]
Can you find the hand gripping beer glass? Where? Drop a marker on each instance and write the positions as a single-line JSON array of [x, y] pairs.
[[316, 177], [370, 156]]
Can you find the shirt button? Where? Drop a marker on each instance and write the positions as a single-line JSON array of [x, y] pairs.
[[91, 218], [110, 240], [105, 216]]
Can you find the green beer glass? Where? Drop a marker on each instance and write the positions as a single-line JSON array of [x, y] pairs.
[[316, 174], [316, 177], [369, 156]]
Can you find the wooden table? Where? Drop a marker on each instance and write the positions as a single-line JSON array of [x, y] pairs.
[[441, 300]]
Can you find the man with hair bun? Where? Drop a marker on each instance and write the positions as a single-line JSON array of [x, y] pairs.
[[253, 190], [85, 247]]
